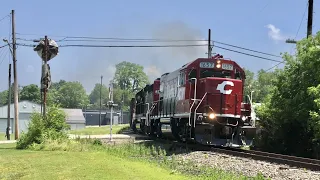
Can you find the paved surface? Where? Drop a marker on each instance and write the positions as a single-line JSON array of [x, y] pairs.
[[7, 142], [105, 136]]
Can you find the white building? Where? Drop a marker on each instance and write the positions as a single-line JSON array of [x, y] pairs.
[[74, 118]]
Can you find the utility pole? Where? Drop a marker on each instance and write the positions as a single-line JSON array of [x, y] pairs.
[[15, 79], [9, 104], [309, 26], [209, 44], [100, 102], [46, 44], [310, 17]]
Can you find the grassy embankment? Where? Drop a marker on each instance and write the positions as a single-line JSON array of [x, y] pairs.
[[89, 159], [116, 129]]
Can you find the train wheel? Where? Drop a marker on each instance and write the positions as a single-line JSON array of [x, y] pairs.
[[143, 126], [151, 128], [158, 126], [133, 126], [179, 129]]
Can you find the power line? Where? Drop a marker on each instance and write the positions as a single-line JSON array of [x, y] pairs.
[[131, 46], [4, 55], [274, 66], [301, 20], [4, 17], [3, 46], [246, 49], [304, 13], [90, 38], [247, 54], [153, 46], [118, 39]]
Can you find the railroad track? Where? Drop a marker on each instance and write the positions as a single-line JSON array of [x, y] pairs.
[[293, 161]]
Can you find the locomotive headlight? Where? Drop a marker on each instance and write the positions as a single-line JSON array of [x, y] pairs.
[[218, 65], [211, 116]]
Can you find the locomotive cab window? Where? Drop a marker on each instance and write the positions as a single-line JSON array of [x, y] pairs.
[[238, 75], [182, 78], [213, 73], [192, 73]]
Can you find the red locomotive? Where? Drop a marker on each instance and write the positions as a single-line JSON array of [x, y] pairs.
[[203, 101]]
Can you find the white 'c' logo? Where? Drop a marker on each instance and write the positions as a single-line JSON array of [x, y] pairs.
[[221, 86]]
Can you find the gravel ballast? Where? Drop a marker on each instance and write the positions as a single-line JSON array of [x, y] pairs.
[[248, 167]]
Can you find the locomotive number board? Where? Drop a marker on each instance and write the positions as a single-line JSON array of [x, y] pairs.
[[227, 66], [206, 65]]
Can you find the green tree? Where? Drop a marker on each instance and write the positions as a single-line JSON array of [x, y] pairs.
[[264, 85], [315, 119], [53, 92], [129, 78], [288, 126], [71, 95], [250, 83], [31, 93], [94, 96], [4, 96]]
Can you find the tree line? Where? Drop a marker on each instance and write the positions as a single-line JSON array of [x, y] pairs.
[[289, 115], [128, 79]]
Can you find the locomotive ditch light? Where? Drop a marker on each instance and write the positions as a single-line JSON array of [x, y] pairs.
[[212, 116], [243, 118]]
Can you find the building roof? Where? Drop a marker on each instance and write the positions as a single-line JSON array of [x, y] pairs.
[[74, 115]]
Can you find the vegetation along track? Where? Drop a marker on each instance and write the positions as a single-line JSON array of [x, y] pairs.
[[299, 162]]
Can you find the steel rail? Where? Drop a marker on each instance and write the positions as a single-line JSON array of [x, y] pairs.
[[292, 161]]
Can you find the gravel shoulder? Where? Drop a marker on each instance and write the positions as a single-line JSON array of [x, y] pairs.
[[247, 167]]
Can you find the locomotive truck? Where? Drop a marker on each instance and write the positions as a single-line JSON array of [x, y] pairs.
[[201, 101]]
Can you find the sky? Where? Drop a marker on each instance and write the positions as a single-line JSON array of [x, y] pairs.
[[259, 25]]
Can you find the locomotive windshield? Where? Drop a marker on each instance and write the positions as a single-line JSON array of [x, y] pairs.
[[213, 73]]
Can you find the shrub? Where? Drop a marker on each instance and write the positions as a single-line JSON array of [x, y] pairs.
[[52, 127]]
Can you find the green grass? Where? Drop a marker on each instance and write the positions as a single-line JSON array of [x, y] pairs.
[[27, 164], [2, 136], [99, 130], [89, 159]]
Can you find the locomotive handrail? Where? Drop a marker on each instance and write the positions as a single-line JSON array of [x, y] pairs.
[[195, 111], [194, 99], [147, 114]]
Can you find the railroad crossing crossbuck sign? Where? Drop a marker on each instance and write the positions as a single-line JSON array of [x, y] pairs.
[[222, 85]]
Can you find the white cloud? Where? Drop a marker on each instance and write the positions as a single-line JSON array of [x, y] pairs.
[[275, 33]]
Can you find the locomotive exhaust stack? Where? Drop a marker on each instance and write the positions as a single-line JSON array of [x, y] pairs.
[[203, 101]]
